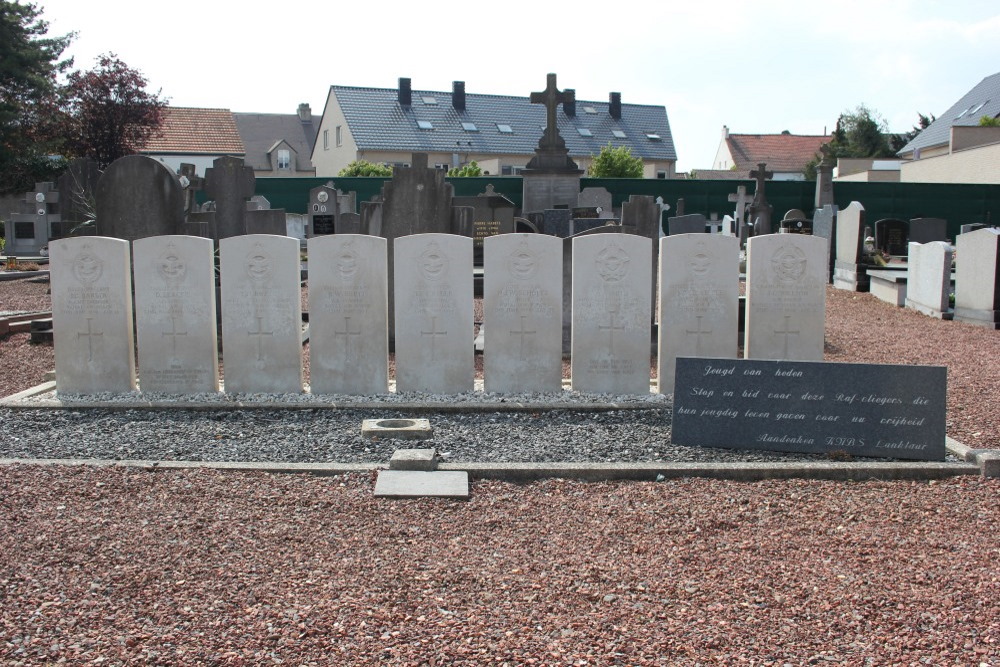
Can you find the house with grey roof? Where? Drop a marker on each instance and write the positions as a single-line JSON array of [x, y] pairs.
[[278, 145], [955, 148], [498, 132]]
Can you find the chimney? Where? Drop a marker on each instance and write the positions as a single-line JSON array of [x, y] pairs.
[[569, 106], [305, 113], [615, 106], [458, 95], [725, 132], [405, 94]]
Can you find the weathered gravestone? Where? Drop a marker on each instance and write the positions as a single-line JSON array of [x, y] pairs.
[[848, 274], [349, 223], [258, 203], [760, 209], [492, 214], [970, 227], [977, 280], [611, 314], [27, 231], [699, 300], [138, 197], [813, 407], [892, 236], [928, 278], [825, 226], [434, 309], [551, 178], [641, 216], [348, 314], [558, 222], [229, 183], [371, 217], [323, 211], [522, 302], [77, 188], [175, 314], [786, 297], [261, 314], [693, 223], [926, 230], [92, 315], [597, 198]]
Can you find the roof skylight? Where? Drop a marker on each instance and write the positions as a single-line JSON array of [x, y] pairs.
[[425, 125], [653, 136], [505, 129], [619, 134], [470, 127], [589, 110], [584, 132], [428, 99]]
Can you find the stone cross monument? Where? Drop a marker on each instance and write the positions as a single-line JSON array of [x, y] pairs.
[[551, 177], [760, 210]]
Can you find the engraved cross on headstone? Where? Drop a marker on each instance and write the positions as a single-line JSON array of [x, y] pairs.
[[173, 333], [230, 184], [699, 333], [786, 333], [89, 335], [347, 333], [552, 97], [522, 333], [433, 333], [611, 328], [259, 334]]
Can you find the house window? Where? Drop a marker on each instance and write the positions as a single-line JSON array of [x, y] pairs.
[[326, 140], [425, 125], [505, 129], [470, 127], [653, 136], [589, 110], [661, 175], [339, 136], [284, 160], [619, 134], [429, 100], [584, 132]]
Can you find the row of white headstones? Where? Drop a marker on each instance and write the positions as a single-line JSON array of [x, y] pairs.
[[175, 311]]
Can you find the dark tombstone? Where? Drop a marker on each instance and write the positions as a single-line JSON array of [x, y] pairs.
[[824, 224], [581, 212], [266, 221], [795, 222], [138, 197], [926, 230], [258, 203], [598, 198], [28, 230], [199, 223], [537, 219], [463, 224], [77, 189], [680, 207], [229, 183], [760, 210], [492, 214], [192, 184], [971, 227], [557, 222], [551, 178], [892, 236], [349, 223], [584, 224], [324, 210], [641, 216], [694, 223], [371, 218]]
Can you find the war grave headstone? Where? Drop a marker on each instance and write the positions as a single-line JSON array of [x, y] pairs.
[[551, 178], [27, 230], [92, 315], [348, 314], [848, 273], [175, 314], [611, 314], [925, 230], [138, 197], [229, 182], [522, 302], [760, 209], [825, 226], [596, 198], [699, 300], [977, 279], [728, 226], [928, 278], [812, 407], [434, 314], [567, 280], [693, 223], [558, 222], [261, 314], [323, 211], [892, 236], [786, 297], [77, 187]]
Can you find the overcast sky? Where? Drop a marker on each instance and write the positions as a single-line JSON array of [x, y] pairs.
[[758, 67]]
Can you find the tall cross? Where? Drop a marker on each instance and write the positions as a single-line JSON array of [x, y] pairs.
[[192, 183], [433, 333], [260, 333], [522, 333], [699, 333], [173, 333], [230, 183], [90, 340], [760, 210], [761, 174], [786, 333], [741, 200], [551, 97], [611, 328], [347, 333]]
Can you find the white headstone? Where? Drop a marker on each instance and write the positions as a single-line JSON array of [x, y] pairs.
[[261, 314], [977, 279], [92, 315], [786, 297], [699, 300], [728, 226], [928, 277], [611, 313], [348, 314], [522, 303], [175, 314], [433, 306], [849, 242]]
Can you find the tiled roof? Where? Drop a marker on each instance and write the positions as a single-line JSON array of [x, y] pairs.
[[262, 131], [187, 130], [378, 122], [781, 152], [983, 100]]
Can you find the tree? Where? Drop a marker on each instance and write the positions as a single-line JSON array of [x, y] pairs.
[[986, 121], [30, 96], [366, 168], [898, 141], [614, 162], [859, 133], [469, 170], [112, 113]]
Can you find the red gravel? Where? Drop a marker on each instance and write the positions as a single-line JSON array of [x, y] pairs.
[[128, 566]]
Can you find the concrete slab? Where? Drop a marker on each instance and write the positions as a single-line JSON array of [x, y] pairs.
[[418, 484], [414, 459], [401, 429]]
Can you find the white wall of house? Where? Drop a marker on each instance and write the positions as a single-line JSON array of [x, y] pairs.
[[330, 155], [974, 165]]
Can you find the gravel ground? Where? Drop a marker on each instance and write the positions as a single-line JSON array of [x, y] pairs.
[[113, 566]]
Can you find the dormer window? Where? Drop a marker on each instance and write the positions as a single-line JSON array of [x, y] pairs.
[[284, 160]]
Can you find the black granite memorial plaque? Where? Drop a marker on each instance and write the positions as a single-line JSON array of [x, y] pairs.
[[811, 407], [322, 225]]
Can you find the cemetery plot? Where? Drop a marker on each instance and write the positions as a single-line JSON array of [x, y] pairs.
[[811, 407]]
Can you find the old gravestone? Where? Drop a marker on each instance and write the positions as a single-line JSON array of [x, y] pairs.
[[699, 300], [892, 236], [693, 223], [175, 314], [977, 280], [77, 187], [350, 223], [371, 217], [323, 211], [925, 230], [229, 182], [522, 302], [29, 230], [760, 209], [611, 314], [92, 315], [261, 314], [848, 274], [786, 297], [348, 318], [434, 309], [551, 178], [557, 222], [641, 216], [598, 198], [138, 197], [928, 278], [492, 214], [825, 226]]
